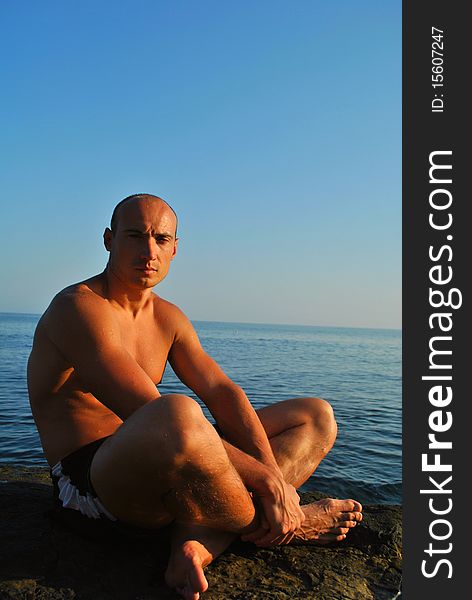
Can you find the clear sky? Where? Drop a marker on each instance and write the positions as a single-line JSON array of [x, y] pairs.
[[273, 128]]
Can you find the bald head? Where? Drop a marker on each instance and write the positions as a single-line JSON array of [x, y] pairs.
[[137, 198]]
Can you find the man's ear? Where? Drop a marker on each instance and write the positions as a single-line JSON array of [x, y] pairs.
[[176, 243], [107, 237]]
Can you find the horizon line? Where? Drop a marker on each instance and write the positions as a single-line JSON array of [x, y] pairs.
[[249, 323]]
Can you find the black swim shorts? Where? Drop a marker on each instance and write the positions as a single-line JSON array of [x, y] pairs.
[[72, 486], [78, 507]]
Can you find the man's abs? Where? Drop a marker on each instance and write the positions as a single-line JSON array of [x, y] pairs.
[[65, 428]]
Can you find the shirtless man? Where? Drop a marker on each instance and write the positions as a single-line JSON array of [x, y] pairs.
[[120, 451]]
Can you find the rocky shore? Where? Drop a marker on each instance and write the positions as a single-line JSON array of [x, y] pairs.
[[42, 558]]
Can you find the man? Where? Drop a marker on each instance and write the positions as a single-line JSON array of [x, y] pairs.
[[121, 452]]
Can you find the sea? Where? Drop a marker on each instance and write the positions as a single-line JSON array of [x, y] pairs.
[[357, 370]]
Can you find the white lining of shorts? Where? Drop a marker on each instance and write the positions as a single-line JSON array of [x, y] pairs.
[[70, 497]]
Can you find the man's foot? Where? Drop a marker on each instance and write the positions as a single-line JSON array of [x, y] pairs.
[[193, 549], [328, 521], [185, 570]]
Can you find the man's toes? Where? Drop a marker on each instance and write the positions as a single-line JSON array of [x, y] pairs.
[[351, 516], [348, 524], [328, 538], [339, 530], [355, 506]]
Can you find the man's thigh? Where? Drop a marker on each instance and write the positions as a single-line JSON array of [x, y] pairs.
[[132, 470]]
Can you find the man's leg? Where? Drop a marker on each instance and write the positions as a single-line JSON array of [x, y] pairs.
[[301, 432], [149, 475], [167, 463]]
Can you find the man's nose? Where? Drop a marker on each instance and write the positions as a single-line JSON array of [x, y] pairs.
[[149, 248]]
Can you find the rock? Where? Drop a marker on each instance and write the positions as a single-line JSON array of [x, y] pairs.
[[41, 558]]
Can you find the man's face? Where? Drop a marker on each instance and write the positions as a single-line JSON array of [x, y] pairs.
[[144, 243]]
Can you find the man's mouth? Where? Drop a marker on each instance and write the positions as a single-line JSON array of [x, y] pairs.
[[146, 270]]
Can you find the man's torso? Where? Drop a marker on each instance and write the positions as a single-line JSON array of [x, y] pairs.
[[67, 414]]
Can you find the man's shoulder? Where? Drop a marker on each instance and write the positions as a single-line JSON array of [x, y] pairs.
[[76, 300], [171, 313], [163, 305]]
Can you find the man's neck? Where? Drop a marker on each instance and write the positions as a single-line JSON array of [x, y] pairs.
[[131, 300]]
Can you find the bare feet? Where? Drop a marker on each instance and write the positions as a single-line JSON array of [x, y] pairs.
[[328, 521], [193, 548], [185, 570]]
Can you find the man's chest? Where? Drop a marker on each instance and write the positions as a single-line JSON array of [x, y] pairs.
[[149, 345]]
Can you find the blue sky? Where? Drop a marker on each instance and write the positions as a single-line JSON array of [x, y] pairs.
[[272, 128]]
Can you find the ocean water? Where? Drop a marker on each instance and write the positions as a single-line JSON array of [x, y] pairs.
[[357, 370]]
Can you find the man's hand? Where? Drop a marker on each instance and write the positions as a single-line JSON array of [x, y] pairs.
[[277, 502], [280, 513]]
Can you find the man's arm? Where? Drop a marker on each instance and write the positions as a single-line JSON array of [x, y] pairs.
[[83, 329], [248, 449], [226, 401]]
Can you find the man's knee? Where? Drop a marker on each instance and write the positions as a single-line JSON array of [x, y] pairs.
[[322, 419], [159, 448], [179, 411], [177, 426], [170, 431]]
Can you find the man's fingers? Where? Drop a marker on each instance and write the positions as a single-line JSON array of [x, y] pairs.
[[270, 540], [255, 535], [280, 534], [265, 534], [279, 520], [262, 530]]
